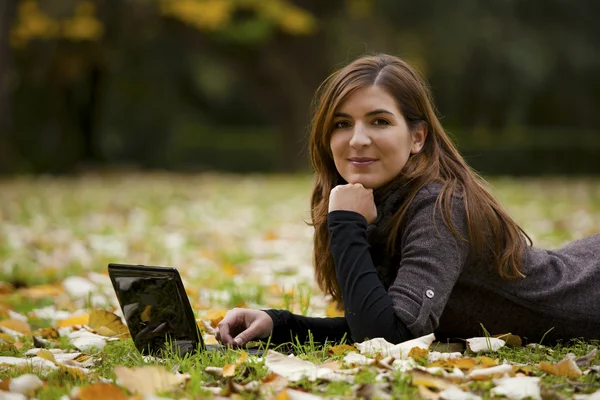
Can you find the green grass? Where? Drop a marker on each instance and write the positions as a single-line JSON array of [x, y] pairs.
[[236, 240]]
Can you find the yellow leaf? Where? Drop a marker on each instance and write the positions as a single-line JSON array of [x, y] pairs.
[[242, 358], [101, 391], [81, 319], [229, 269], [107, 324], [149, 380], [486, 361], [47, 333], [423, 378], [40, 292], [210, 339], [6, 338], [229, 370], [17, 325], [47, 355], [418, 353], [270, 236], [283, 395], [566, 367], [215, 315], [341, 349]]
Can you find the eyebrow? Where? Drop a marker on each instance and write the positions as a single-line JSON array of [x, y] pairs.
[[374, 112]]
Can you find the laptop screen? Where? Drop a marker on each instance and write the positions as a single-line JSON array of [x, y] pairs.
[[156, 308]]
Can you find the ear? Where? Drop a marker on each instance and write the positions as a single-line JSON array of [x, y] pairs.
[[419, 134]]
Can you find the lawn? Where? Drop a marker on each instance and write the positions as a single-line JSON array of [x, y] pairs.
[[238, 241]]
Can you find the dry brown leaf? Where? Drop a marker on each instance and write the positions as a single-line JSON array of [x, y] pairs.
[[81, 319], [340, 349], [4, 384], [101, 391], [510, 339], [17, 325], [586, 360], [566, 367], [427, 394], [423, 378], [148, 380], [418, 353], [215, 315], [332, 365], [47, 333], [106, 323], [465, 363]]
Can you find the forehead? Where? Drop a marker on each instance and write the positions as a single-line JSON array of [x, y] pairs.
[[367, 99]]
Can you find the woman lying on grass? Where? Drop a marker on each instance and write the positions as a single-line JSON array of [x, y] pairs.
[[408, 239]]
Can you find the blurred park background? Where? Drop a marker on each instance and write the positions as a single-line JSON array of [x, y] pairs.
[[204, 85]]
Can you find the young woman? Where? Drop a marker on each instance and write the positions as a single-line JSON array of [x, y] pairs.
[[408, 239]]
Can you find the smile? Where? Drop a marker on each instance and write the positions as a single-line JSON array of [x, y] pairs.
[[361, 161]]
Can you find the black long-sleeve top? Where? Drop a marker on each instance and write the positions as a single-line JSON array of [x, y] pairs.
[[369, 312], [435, 285]]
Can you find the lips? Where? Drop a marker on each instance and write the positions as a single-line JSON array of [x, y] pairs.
[[361, 161]]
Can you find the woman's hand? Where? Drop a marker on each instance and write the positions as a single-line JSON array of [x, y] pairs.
[[353, 197], [241, 325]]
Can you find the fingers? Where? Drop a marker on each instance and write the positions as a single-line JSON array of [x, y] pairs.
[[225, 327]]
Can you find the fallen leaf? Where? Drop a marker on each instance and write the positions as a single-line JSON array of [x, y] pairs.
[[25, 384], [485, 344], [422, 378], [210, 339], [486, 361], [511, 340], [383, 348], [215, 315], [80, 319], [586, 360], [491, 372], [229, 370], [101, 391], [455, 393], [17, 325], [149, 380], [566, 367], [106, 323], [465, 363], [517, 388], [87, 341], [295, 369], [418, 354], [40, 292], [214, 371], [340, 349]]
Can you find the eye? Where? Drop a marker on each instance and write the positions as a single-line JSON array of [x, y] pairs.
[[341, 124], [380, 121]]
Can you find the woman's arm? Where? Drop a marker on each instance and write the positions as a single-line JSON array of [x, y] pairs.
[[432, 259], [287, 327], [368, 307]]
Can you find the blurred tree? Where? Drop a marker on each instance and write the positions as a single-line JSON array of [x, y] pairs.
[[7, 15], [228, 83]]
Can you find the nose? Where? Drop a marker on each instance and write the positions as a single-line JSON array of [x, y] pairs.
[[360, 137]]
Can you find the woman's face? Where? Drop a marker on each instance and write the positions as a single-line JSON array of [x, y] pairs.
[[371, 141]]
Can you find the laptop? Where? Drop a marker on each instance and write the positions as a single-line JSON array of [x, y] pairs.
[[157, 311]]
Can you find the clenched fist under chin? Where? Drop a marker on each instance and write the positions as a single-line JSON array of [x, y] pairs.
[[353, 197]]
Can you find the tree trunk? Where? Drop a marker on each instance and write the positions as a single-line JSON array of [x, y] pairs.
[[7, 15]]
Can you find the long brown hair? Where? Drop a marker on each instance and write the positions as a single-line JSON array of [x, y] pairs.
[[490, 228]]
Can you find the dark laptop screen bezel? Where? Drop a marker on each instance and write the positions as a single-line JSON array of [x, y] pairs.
[[180, 302]]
